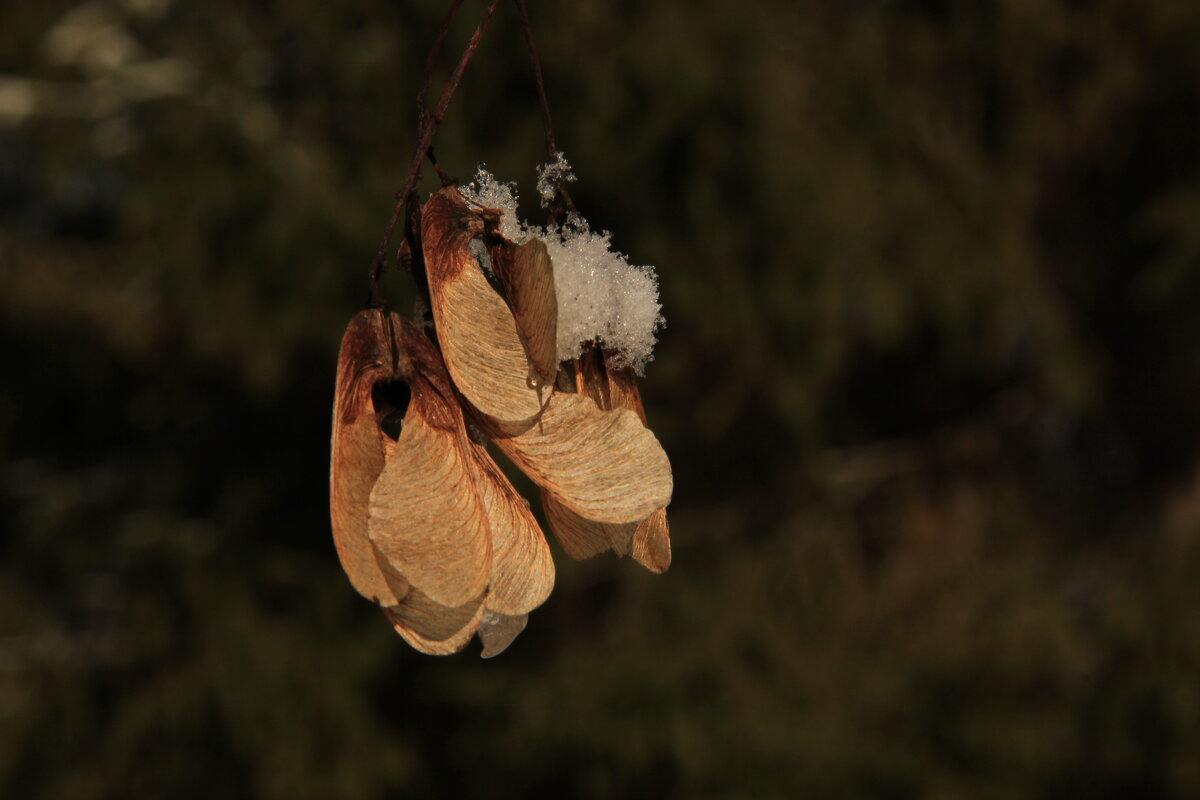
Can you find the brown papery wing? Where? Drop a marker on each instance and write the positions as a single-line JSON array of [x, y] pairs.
[[652, 542], [434, 628], [522, 567], [357, 454], [527, 276], [497, 632], [651, 546], [478, 335], [425, 513], [582, 538], [605, 466], [649, 541]]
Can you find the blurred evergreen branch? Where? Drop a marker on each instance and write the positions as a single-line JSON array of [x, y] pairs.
[[929, 380]]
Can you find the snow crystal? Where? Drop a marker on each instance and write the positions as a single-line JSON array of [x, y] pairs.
[[601, 296], [486, 191], [550, 174]]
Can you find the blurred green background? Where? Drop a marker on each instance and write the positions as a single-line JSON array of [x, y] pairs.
[[929, 382]]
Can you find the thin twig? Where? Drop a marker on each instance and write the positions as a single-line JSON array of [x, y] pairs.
[[430, 60], [562, 200], [547, 123], [430, 128], [423, 93]]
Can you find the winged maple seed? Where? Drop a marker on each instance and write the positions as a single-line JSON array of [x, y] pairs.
[[425, 524], [424, 521], [648, 540]]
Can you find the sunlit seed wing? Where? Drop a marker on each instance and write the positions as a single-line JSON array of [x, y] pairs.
[[647, 541], [425, 514], [651, 546], [522, 567], [476, 329], [434, 628], [580, 538], [357, 455], [650, 542], [605, 466]]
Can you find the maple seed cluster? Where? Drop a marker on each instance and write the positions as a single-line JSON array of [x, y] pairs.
[[425, 523]]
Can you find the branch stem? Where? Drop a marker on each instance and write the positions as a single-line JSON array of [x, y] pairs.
[[429, 124], [562, 203]]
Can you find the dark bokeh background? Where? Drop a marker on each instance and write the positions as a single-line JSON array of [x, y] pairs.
[[931, 272]]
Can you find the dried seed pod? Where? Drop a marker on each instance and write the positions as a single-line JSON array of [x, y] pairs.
[[603, 465], [433, 628], [527, 278], [522, 571], [580, 538], [424, 521], [497, 631], [425, 514], [367, 358], [651, 541], [426, 525], [478, 335], [648, 540]]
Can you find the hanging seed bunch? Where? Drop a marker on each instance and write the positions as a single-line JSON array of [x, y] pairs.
[[537, 336]]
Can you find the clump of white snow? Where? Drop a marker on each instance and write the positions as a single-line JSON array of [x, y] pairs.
[[601, 296]]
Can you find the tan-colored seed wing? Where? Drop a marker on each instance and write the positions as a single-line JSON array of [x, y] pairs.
[[605, 466], [434, 628], [579, 537], [522, 567], [425, 514], [649, 541], [652, 542], [527, 276], [477, 332], [497, 632], [358, 448], [651, 546]]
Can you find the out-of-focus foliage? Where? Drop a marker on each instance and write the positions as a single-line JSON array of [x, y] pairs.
[[929, 382]]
